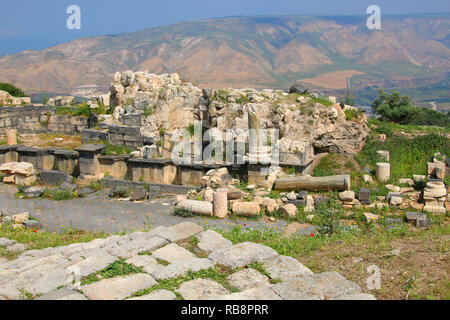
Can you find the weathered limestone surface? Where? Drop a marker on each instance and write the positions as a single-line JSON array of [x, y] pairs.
[[248, 279], [178, 232], [56, 273], [201, 289], [284, 267], [318, 286], [242, 254], [172, 253], [180, 268], [210, 240], [118, 288], [63, 294]]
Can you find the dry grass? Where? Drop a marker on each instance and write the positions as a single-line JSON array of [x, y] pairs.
[[419, 271], [48, 140], [333, 80]]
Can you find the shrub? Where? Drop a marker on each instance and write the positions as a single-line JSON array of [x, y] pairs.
[[12, 90], [399, 109]]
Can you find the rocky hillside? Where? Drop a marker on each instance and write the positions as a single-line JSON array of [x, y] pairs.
[[328, 52]]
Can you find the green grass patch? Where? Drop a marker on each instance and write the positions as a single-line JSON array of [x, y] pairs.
[[44, 239], [113, 150], [115, 269], [217, 274], [260, 268], [407, 156]]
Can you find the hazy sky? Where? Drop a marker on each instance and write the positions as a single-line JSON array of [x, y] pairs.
[[28, 24]]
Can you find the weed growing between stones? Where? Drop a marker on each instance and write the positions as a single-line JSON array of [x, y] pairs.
[[258, 266], [163, 262], [180, 212], [115, 269], [97, 186], [217, 274]]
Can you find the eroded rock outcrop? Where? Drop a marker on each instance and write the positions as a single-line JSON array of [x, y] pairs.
[[162, 104]]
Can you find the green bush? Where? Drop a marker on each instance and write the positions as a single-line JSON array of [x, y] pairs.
[[396, 108], [12, 90]]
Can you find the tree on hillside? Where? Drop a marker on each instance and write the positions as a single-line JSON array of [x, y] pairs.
[[396, 108], [393, 107], [12, 90]]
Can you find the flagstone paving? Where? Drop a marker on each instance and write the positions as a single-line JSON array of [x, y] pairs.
[[60, 273]]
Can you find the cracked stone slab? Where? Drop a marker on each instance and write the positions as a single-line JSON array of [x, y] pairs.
[[320, 286], [242, 254], [97, 261], [141, 244], [201, 289], [147, 262], [247, 279], [118, 288], [180, 268], [210, 240], [262, 293], [44, 279], [157, 295], [178, 232], [62, 294], [284, 267], [172, 253]]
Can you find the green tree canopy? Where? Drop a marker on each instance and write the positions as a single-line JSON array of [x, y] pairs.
[[12, 90], [396, 108]]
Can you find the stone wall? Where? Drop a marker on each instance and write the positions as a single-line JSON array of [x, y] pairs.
[[40, 119], [87, 162]]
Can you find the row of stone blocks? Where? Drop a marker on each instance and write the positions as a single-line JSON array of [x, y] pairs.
[[116, 135], [40, 119], [88, 162]]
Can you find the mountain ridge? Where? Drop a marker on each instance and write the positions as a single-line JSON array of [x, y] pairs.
[[256, 51]]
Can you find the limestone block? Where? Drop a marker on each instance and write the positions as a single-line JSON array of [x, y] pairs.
[[383, 171], [197, 207], [246, 208], [220, 204]]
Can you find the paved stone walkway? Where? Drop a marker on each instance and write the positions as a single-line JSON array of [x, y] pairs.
[[58, 273], [98, 213]]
